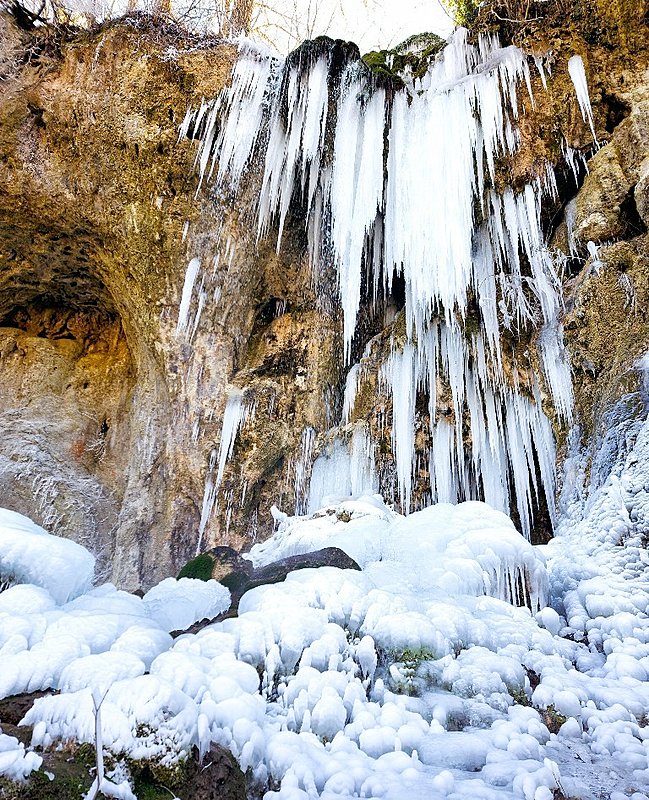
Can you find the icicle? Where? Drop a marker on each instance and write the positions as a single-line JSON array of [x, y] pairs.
[[185, 301], [209, 498], [578, 78], [571, 218], [575, 160], [443, 469], [295, 145], [230, 125], [302, 467], [356, 190], [363, 478], [399, 375], [343, 470], [234, 415], [538, 63], [593, 252], [556, 370], [351, 388]]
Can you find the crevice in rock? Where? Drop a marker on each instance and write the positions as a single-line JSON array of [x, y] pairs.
[[615, 109], [632, 222]]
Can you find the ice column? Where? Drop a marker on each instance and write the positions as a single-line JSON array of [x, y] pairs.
[[234, 416]]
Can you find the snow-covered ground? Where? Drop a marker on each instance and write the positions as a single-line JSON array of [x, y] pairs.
[[416, 677]]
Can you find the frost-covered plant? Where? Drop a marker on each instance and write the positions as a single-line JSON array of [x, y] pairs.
[[552, 719], [405, 669], [101, 784]]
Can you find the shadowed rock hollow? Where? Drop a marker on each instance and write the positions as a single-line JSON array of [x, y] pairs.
[[100, 408]]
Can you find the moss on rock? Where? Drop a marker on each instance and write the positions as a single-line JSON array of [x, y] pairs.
[[200, 567], [410, 58]]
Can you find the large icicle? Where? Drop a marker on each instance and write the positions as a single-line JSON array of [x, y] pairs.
[[230, 125], [400, 376], [295, 144], [185, 302], [578, 77], [356, 189]]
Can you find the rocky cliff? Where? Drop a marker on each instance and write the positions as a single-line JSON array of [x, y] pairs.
[[110, 415]]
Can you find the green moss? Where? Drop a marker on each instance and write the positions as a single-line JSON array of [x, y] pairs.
[[153, 781], [377, 61], [412, 56], [463, 12], [407, 665], [67, 785], [200, 567], [520, 698], [415, 657]]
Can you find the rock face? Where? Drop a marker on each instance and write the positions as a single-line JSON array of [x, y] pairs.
[[105, 433], [110, 415]]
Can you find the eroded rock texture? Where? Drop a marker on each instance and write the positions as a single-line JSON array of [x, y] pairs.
[[96, 438]]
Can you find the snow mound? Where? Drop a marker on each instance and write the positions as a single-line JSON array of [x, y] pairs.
[[465, 549], [15, 763], [177, 604], [28, 554], [45, 646]]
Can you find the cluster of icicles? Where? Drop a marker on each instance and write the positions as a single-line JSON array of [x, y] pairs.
[[400, 183]]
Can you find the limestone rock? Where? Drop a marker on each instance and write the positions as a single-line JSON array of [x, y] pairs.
[[607, 205], [108, 416], [278, 570]]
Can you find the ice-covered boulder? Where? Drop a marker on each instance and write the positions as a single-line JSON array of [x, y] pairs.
[[464, 549], [28, 554], [15, 762]]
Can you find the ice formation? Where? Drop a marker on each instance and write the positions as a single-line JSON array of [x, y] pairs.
[[16, 764], [235, 414], [177, 604], [185, 302], [343, 469], [28, 554], [320, 128], [468, 549], [409, 678], [578, 77]]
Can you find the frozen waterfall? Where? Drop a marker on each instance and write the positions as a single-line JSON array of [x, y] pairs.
[[403, 182]]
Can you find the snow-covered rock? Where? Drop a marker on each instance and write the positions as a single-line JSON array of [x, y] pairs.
[[28, 554]]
